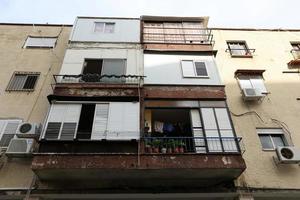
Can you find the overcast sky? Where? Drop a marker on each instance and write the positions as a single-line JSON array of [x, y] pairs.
[[222, 13]]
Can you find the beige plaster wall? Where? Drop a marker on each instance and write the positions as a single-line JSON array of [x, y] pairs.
[[28, 106], [272, 54]]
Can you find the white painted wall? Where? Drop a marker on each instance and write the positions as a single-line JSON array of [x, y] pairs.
[[166, 69], [83, 30], [74, 59]]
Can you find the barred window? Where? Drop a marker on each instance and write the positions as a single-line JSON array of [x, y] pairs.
[[23, 81]]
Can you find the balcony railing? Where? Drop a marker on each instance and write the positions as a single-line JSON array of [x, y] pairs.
[[192, 145], [96, 78], [177, 35]]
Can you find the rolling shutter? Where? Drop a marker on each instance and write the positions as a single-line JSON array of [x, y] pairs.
[[187, 68], [62, 121], [100, 122]]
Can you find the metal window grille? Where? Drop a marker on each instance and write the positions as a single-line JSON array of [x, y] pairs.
[[23, 81]]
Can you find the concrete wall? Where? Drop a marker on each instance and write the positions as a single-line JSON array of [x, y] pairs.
[[74, 58], [166, 69], [29, 106], [272, 54], [83, 30]]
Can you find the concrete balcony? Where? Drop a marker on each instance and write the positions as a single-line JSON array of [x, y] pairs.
[[94, 85], [139, 169]]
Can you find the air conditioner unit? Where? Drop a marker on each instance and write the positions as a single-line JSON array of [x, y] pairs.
[[20, 148], [251, 94], [288, 155], [28, 130]]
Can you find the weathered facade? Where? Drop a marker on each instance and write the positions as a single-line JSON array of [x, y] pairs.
[[150, 108], [24, 98], [274, 114]]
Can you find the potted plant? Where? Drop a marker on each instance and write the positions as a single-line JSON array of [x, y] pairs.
[[181, 146], [170, 146], [155, 146], [148, 147]]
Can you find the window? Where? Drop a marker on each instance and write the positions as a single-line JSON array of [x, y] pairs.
[[40, 42], [239, 49], [252, 81], [110, 121], [270, 138], [94, 68], [8, 129], [192, 68], [23, 81], [104, 27], [296, 49]]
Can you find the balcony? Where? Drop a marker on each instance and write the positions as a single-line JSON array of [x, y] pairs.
[[180, 164], [95, 85], [177, 37]]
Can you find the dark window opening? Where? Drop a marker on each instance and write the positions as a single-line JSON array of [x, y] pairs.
[[201, 69], [93, 66], [86, 119], [23, 81], [30, 82], [171, 123]]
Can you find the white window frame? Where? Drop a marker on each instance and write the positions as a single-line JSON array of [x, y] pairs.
[[6, 121], [194, 69], [44, 45], [252, 77], [104, 27], [271, 132]]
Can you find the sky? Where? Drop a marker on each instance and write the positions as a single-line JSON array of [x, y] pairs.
[[222, 13]]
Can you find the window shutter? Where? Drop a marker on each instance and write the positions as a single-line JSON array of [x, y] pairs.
[[201, 69], [40, 42], [62, 121], [229, 143], [211, 130], [9, 129], [187, 68], [123, 121], [100, 122]]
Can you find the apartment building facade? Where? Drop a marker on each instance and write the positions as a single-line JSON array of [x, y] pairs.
[[151, 108], [30, 54], [266, 61]]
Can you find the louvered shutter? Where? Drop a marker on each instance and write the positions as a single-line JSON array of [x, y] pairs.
[[100, 122], [62, 121], [201, 69], [9, 129], [123, 121]]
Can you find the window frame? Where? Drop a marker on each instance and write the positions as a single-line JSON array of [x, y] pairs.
[[6, 121], [104, 27], [248, 53], [194, 69], [27, 74], [25, 46], [271, 135], [250, 77]]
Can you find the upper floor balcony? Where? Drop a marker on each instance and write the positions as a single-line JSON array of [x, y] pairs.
[[176, 33]]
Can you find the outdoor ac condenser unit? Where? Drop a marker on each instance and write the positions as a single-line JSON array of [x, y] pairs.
[[20, 147], [28, 130], [288, 155], [251, 94]]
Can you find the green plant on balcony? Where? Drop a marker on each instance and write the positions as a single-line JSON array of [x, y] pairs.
[[156, 145]]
